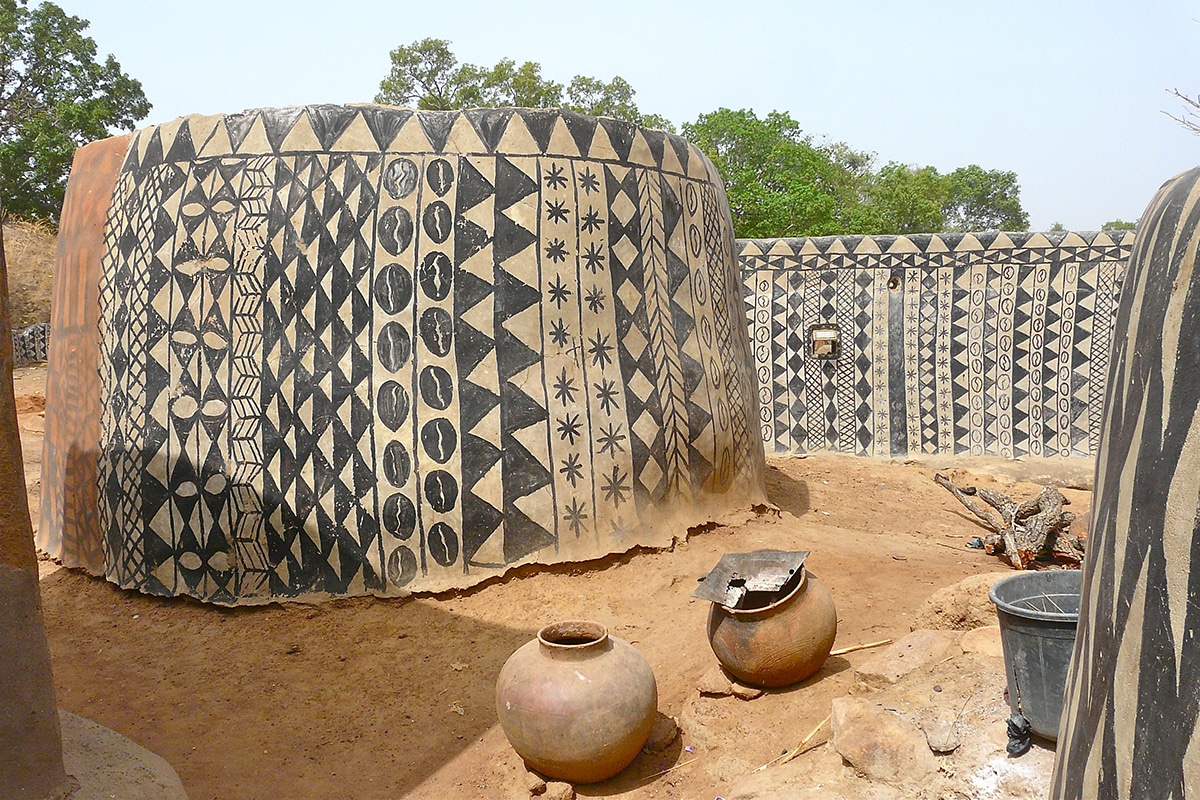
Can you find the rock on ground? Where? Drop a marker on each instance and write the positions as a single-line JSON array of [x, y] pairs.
[[879, 743], [665, 731], [715, 682], [985, 641], [556, 790], [921, 648]]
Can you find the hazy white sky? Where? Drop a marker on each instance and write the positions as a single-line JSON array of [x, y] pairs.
[[1069, 94]]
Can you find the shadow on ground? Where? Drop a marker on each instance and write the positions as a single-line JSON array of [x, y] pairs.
[[285, 683], [786, 492]]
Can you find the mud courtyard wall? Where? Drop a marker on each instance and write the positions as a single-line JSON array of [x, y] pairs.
[[361, 349], [980, 344]]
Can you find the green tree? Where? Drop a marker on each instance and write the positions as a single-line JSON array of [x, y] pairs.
[[1057, 227], [428, 75], [1119, 225], [901, 199], [779, 181], [54, 96], [982, 200]]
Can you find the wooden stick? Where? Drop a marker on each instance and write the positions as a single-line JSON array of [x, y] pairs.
[[843, 650], [800, 748], [670, 769], [788, 755]]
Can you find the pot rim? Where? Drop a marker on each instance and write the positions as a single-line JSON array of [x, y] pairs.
[[746, 612], [596, 634]]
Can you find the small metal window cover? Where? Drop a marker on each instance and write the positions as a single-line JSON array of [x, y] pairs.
[[825, 341]]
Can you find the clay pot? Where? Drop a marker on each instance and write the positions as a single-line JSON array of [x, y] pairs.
[[777, 644], [576, 704]]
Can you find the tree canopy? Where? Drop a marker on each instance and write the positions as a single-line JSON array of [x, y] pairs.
[[427, 74], [781, 182], [778, 181], [54, 96]]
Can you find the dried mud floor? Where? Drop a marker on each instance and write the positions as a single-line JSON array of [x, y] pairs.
[[371, 699]]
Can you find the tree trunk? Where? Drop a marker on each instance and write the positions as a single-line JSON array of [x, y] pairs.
[[31, 764]]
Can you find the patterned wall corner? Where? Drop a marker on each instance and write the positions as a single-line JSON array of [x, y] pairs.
[[974, 343], [360, 349]]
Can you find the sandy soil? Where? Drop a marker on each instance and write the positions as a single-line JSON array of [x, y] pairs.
[[380, 699], [29, 249]]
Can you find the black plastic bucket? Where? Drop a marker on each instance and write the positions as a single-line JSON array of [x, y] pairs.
[[1038, 613]]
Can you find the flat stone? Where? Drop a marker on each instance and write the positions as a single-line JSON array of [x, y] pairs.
[[746, 692], [557, 790], [535, 783], [942, 736], [665, 731], [715, 682], [984, 641], [879, 744], [108, 765], [918, 649]]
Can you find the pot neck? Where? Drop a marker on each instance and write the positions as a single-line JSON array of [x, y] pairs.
[[796, 590], [574, 641]]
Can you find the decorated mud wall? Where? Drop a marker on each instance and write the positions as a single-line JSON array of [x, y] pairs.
[[975, 343], [1131, 720], [359, 349]]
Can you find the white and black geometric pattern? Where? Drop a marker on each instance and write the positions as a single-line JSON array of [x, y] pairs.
[[980, 344], [359, 349], [1131, 718], [31, 344]]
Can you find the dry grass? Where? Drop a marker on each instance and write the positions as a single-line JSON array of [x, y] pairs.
[[29, 248]]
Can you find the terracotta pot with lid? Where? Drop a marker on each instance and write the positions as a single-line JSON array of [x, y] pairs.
[[576, 703], [780, 642]]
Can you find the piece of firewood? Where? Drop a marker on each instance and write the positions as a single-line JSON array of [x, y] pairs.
[[1034, 529]]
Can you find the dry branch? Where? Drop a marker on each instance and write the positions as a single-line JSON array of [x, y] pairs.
[[1037, 528]]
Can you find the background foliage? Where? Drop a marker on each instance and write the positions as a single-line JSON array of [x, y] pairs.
[[54, 96]]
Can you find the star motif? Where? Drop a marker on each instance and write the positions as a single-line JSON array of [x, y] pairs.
[[593, 257], [569, 427], [575, 514], [606, 395], [614, 487], [557, 251], [601, 351], [559, 292], [591, 220], [572, 469], [564, 388], [589, 181], [595, 299], [620, 529], [556, 210], [610, 439], [555, 178], [559, 333]]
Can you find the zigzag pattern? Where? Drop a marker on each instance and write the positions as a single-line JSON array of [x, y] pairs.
[[992, 344], [374, 350]]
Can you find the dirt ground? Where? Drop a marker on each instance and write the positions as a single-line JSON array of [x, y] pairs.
[[370, 699], [29, 252]]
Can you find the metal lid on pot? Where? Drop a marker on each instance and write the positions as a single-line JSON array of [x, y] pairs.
[[738, 574]]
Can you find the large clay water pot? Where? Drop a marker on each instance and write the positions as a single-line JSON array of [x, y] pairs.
[[576, 703], [777, 644]]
